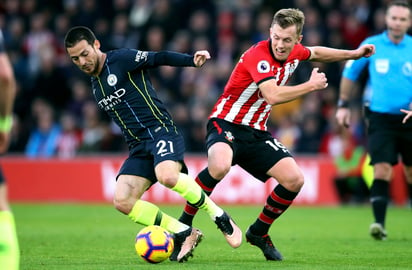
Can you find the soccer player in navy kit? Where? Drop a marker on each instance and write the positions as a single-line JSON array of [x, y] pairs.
[[388, 93], [121, 87], [9, 246], [237, 132]]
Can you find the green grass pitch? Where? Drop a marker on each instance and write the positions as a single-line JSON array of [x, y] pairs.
[[88, 236]]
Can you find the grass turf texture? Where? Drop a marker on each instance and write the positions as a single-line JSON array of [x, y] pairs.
[[77, 236]]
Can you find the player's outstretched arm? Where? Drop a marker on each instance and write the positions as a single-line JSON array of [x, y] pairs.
[[407, 116], [327, 54]]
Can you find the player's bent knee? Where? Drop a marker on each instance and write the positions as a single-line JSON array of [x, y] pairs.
[[122, 206], [168, 182], [219, 171], [294, 184]]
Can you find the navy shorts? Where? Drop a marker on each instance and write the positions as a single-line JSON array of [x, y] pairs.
[[144, 157], [254, 150], [389, 138]]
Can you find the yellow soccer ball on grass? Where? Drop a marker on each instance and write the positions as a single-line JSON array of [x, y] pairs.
[[154, 244]]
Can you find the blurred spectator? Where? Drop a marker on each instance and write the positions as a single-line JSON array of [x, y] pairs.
[[43, 138], [38, 38], [18, 137], [50, 82], [310, 137], [69, 140], [94, 129], [348, 156], [80, 93], [288, 132], [121, 34]]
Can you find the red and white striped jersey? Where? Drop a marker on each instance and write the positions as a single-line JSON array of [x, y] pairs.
[[241, 101]]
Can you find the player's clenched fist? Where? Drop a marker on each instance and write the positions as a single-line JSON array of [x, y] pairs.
[[318, 79], [200, 57]]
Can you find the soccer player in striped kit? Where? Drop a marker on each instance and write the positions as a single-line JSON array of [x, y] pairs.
[[237, 132], [121, 86]]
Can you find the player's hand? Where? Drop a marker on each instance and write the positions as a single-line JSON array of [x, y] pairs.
[[343, 117], [4, 141], [365, 50], [318, 79], [200, 58], [407, 116]]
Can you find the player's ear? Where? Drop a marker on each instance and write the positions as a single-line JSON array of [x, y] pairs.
[[300, 37], [96, 44]]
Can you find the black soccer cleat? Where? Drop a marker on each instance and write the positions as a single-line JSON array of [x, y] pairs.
[[265, 244], [184, 244], [230, 230]]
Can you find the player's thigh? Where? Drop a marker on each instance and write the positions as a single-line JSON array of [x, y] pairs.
[[220, 156], [135, 176], [287, 172], [167, 172], [405, 146], [259, 157], [382, 147]]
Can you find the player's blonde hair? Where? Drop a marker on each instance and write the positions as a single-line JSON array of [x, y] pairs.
[[289, 16]]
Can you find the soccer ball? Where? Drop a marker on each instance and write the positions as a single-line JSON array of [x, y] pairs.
[[154, 244]]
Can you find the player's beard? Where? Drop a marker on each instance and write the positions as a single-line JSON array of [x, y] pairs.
[[95, 71]]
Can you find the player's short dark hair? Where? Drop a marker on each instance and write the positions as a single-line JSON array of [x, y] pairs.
[[77, 34]]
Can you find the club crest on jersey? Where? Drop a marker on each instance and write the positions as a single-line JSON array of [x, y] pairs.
[[263, 66], [229, 136], [112, 79], [407, 69]]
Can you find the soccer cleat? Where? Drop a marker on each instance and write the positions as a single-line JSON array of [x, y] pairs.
[[230, 230], [185, 242], [265, 244], [377, 231]]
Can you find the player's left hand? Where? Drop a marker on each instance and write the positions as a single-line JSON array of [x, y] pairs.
[[366, 50], [200, 57]]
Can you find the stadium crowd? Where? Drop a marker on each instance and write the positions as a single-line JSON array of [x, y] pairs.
[[54, 113]]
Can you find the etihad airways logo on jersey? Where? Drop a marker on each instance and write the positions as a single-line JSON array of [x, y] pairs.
[[141, 55], [108, 102]]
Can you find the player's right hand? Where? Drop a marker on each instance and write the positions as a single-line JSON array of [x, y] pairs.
[[318, 79], [343, 117]]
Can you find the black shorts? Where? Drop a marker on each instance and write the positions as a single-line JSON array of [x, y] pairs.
[[389, 138], [144, 157], [254, 150]]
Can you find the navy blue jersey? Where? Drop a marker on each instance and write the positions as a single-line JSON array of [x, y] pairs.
[[124, 90]]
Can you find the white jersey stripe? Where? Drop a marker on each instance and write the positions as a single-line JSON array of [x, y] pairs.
[[252, 111], [238, 104], [262, 118]]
